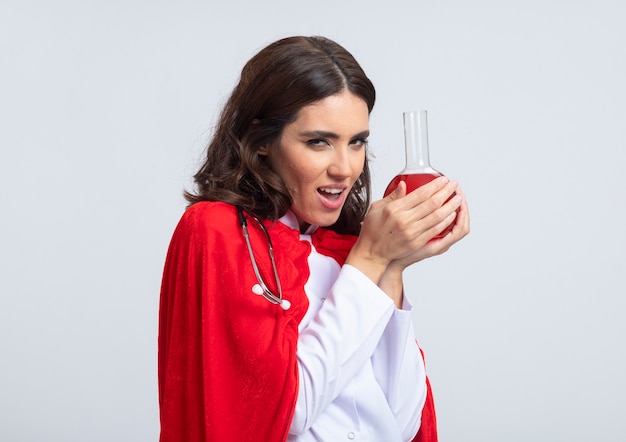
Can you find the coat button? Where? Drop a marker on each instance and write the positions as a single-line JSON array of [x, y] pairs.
[[351, 435]]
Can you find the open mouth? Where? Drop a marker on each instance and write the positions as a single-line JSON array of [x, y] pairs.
[[330, 193]]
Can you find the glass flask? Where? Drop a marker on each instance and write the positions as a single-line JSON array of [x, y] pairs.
[[418, 170]]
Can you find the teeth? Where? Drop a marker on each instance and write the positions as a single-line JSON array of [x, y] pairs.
[[331, 191]]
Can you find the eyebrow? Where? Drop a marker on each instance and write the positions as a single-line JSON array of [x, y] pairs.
[[332, 135]]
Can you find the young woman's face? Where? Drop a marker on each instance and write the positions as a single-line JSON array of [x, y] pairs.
[[320, 156]]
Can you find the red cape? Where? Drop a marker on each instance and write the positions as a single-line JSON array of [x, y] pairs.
[[227, 357]]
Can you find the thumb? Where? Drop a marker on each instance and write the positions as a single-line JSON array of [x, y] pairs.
[[398, 193]]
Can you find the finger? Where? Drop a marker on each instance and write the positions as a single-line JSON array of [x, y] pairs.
[[430, 188], [431, 196], [440, 218], [465, 207], [454, 201], [461, 226], [444, 199], [446, 222], [463, 218]]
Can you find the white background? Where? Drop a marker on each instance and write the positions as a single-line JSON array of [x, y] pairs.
[[106, 106]]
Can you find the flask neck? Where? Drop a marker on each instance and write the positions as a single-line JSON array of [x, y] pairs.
[[416, 142]]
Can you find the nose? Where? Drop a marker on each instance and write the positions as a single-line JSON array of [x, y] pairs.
[[341, 165]]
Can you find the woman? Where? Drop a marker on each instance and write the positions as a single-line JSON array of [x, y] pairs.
[[282, 313]]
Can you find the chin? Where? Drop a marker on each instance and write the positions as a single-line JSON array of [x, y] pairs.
[[327, 222], [320, 220]]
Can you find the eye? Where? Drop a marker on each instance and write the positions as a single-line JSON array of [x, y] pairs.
[[317, 142], [359, 142]]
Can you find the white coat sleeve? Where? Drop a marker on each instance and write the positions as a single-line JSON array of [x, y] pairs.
[[337, 342], [399, 369]]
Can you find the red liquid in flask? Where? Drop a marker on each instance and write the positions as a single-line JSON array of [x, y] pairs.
[[413, 181]]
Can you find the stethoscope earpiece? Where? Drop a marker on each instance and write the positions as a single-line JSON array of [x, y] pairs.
[[284, 304], [257, 289]]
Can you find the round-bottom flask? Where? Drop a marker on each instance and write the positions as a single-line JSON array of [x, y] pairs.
[[418, 170]]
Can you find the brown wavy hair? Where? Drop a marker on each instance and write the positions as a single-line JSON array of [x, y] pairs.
[[274, 85]]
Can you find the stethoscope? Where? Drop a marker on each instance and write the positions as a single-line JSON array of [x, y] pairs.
[[261, 288]]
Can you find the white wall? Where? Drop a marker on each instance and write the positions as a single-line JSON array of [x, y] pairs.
[[105, 108]]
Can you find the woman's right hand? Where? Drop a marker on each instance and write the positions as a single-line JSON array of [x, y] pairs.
[[399, 224]]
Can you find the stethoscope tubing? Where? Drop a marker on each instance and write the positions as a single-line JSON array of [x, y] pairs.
[[265, 291]]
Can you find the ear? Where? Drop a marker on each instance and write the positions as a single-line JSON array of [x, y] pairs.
[[264, 150]]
